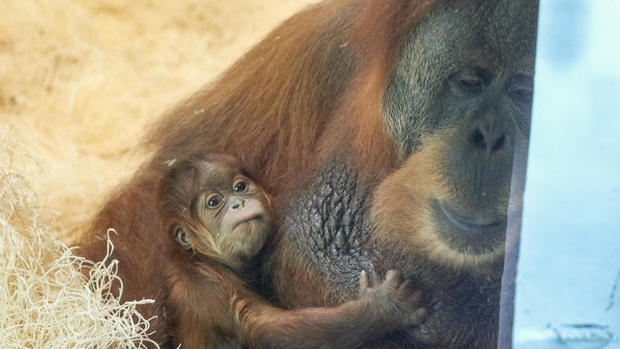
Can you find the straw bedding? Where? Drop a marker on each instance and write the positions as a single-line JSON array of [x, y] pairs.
[[45, 301]]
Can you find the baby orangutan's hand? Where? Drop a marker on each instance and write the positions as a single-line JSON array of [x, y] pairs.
[[395, 303]]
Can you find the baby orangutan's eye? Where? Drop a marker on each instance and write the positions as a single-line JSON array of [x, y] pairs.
[[240, 186], [214, 201]]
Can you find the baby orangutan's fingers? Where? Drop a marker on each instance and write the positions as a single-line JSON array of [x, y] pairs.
[[418, 316], [416, 297], [393, 279], [363, 281], [406, 286]]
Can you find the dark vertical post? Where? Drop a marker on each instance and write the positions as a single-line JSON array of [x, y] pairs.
[[513, 239]]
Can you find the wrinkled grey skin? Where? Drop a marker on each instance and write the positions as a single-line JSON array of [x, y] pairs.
[[469, 67]]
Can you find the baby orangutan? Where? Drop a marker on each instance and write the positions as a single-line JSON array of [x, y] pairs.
[[221, 219]]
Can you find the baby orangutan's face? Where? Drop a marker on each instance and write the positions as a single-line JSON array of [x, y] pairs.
[[231, 213]]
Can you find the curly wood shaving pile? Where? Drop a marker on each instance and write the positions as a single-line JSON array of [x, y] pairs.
[[45, 301]]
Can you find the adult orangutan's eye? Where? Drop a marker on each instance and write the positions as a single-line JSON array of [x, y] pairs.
[[521, 88], [471, 81]]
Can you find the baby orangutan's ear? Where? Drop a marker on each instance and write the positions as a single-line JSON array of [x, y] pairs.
[[181, 237]]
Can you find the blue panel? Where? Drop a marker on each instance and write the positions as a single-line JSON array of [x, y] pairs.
[[569, 268]]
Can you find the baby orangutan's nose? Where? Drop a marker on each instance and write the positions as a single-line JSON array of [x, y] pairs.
[[237, 203]]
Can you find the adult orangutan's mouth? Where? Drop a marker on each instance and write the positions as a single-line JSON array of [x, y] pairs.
[[470, 233], [471, 224]]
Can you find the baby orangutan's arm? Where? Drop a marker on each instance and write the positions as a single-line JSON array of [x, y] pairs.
[[232, 311], [391, 306]]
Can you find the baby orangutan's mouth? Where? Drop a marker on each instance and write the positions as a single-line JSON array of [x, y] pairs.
[[248, 220]]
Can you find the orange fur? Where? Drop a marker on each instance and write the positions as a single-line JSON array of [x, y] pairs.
[[288, 103], [282, 109]]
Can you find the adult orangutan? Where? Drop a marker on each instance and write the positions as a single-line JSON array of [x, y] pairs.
[[392, 134]]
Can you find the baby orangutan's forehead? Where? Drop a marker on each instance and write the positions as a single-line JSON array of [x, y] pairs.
[[217, 174]]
